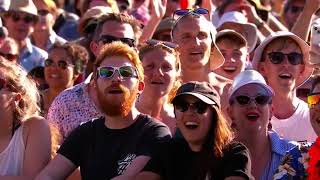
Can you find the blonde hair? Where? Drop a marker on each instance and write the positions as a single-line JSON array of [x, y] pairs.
[[18, 81], [118, 48]]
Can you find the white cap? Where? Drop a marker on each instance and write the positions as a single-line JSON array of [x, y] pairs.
[[236, 17], [248, 77]]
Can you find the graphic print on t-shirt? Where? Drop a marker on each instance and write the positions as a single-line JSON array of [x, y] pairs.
[[125, 162]]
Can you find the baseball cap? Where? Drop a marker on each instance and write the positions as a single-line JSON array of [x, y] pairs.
[[305, 48], [248, 77], [201, 90]]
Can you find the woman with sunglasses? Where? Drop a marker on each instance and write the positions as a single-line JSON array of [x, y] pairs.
[[25, 144], [162, 70], [65, 63], [44, 36], [250, 109], [206, 150]]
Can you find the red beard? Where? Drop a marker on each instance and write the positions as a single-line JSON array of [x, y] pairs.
[[117, 107]]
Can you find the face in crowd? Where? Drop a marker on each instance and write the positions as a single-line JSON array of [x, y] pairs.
[[293, 11], [46, 14]]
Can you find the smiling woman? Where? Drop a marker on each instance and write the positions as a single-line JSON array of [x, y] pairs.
[[206, 150]]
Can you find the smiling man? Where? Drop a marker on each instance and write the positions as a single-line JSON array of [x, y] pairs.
[[283, 58]]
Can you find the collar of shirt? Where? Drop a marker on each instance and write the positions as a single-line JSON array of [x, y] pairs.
[[27, 50], [278, 145]]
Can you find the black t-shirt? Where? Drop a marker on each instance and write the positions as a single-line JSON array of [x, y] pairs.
[[104, 153], [175, 160]]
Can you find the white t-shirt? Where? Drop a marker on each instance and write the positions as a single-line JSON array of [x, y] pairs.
[[297, 127]]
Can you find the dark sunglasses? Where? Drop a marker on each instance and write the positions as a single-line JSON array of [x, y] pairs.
[[43, 12], [123, 71], [153, 42], [199, 106], [183, 12], [278, 57], [27, 18], [61, 64], [259, 100], [10, 57], [314, 100], [109, 39]]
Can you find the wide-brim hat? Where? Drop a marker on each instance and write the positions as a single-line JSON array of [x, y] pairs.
[[26, 6], [305, 48], [216, 58], [235, 17]]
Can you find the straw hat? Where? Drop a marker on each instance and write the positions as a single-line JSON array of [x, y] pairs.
[[26, 6], [305, 48]]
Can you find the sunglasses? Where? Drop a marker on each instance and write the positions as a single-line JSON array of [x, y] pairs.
[[43, 12], [199, 106], [278, 57], [124, 71], [259, 100], [153, 42], [314, 100], [109, 39], [27, 18], [10, 57], [61, 64], [182, 12]]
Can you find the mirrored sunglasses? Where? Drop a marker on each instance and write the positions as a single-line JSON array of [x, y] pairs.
[[182, 12], [105, 39], [314, 100], [61, 64], [123, 71], [294, 58], [260, 100], [199, 106]]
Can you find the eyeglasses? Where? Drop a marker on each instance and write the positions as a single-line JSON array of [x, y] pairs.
[[182, 12], [43, 12], [27, 18], [314, 100], [293, 57], [259, 100], [61, 64], [124, 71], [109, 39], [199, 106], [10, 57], [153, 42]]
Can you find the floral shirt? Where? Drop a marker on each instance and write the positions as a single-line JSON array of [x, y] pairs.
[[71, 108]]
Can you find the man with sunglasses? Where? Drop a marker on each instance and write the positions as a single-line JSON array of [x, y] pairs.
[[199, 55], [20, 20], [283, 59], [122, 140]]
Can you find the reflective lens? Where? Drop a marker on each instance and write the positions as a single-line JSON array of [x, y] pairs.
[[199, 106], [123, 71], [314, 100], [109, 39], [293, 57], [259, 100], [61, 64], [183, 12]]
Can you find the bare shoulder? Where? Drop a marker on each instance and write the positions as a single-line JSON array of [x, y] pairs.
[[36, 123], [219, 82]]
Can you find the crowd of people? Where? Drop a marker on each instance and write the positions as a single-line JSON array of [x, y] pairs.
[[159, 89]]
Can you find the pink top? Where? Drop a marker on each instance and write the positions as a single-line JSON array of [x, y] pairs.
[[71, 108]]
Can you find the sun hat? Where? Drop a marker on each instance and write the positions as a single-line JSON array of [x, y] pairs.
[[201, 90], [233, 33], [26, 6], [90, 16], [248, 77], [235, 17], [305, 48]]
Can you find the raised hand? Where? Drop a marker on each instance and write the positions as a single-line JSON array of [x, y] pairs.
[[158, 8]]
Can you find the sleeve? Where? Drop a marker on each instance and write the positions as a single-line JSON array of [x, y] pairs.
[[152, 138], [73, 145], [56, 114], [237, 161]]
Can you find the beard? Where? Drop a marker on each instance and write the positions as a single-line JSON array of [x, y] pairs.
[[119, 106]]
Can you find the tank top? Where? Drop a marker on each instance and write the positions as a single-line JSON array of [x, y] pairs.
[[11, 159]]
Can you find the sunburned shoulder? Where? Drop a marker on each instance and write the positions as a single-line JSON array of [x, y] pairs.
[[35, 122]]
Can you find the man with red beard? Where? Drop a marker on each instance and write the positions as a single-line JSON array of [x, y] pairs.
[[123, 140]]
